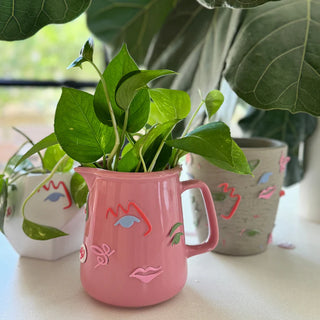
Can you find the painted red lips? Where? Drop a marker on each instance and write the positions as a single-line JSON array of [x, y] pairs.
[[146, 275]]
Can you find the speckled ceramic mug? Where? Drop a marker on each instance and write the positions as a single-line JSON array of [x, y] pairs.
[[246, 205], [134, 252]]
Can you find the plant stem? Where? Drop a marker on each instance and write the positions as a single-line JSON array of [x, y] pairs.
[[155, 158], [142, 160], [187, 128], [41, 184], [113, 119], [123, 134]]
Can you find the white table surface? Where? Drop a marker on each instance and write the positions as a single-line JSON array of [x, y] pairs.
[[279, 284]]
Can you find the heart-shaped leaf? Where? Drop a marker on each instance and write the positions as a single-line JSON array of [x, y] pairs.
[[119, 66], [40, 232], [129, 87], [21, 19], [51, 157], [278, 65], [82, 136], [213, 101], [168, 105]]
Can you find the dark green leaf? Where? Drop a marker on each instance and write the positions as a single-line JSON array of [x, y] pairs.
[[118, 67], [232, 3], [139, 111], [3, 201], [213, 101], [79, 190], [134, 23], [40, 232], [128, 88], [81, 135], [274, 62], [52, 156], [168, 105], [21, 19], [46, 142], [294, 129]]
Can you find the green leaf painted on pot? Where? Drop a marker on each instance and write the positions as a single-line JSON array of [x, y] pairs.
[[21, 19], [128, 87], [176, 239], [40, 232], [46, 142], [3, 201], [52, 156], [82, 136], [277, 66], [79, 190], [168, 105], [213, 101], [218, 196], [252, 232], [115, 22], [118, 67], [174, 228], [210, 4], [253, 164]]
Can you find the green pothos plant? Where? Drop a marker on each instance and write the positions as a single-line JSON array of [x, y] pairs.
[[53, 160], [127, 126]]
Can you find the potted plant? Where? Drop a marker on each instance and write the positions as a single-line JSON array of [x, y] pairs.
[[38, 199], [122, 137]]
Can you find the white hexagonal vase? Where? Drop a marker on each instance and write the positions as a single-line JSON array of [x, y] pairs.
[[52, 206]]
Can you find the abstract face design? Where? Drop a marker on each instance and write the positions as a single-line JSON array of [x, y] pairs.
[[56, 193]]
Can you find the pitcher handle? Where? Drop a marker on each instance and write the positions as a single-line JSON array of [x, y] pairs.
[[213, 236]]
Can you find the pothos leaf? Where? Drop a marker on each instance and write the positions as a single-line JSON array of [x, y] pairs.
[[213, 101], [40, 232], [51, 157], [79, 189]]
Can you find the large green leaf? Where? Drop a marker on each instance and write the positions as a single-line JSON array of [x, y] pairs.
[[232, 3], [278, 65], [79, 190], [133, 22], [20, 19], [294, 129], [214, 143], [132, 83], [79, 132], [120, 65], [194, 42], [52, 156], [168, 105]]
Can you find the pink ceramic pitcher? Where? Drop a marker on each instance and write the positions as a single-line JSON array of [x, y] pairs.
[[134, 252]]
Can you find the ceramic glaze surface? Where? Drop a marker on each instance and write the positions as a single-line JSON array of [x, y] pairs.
[[134, 237], [52, 205]]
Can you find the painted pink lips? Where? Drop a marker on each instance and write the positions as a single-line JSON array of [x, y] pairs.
[[146, 275]]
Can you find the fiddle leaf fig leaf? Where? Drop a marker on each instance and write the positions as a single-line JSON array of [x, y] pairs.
[[168, 105], [129, 86], [40, 232], [232, 3], [213, 101], [115, 22], [81, 135], [20, 19], [79, 190], [282, 54]]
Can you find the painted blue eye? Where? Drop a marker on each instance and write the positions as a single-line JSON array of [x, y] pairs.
[[127, 221], [54, 196]]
